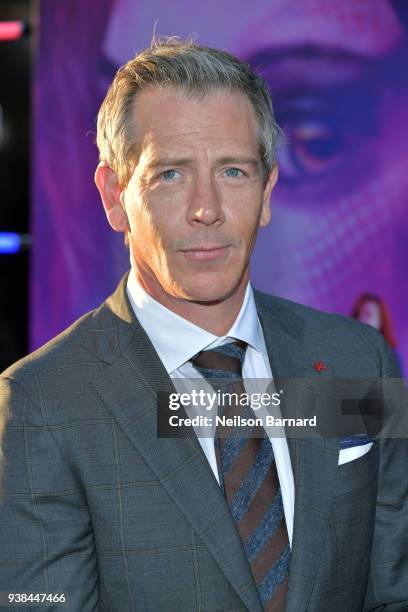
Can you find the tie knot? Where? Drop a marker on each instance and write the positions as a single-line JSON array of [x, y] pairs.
[[224, 361]]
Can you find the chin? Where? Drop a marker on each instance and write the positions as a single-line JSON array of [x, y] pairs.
[[210, 291]]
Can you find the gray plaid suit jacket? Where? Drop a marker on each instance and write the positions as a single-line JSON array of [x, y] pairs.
[[97, 507]]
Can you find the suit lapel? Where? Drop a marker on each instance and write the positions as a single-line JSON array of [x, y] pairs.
[[314, 461], [128, 388]]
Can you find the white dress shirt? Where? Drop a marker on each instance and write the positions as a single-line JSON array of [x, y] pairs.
[[163, 326]]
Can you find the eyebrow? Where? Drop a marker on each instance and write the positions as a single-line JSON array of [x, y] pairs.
[[305, 51], [186, 161], [270, 54], [245, 161]]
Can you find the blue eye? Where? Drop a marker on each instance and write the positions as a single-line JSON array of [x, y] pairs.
[[168, 175], [234, 172], [314, 147]]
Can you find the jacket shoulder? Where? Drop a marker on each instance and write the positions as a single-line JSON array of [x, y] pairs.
[[311, 317], [65, 350], [328, 327]]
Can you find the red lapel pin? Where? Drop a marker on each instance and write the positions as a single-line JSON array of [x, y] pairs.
[[319, 366]]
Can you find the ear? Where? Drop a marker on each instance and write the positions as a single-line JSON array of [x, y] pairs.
[[266, 197], [109, 188]]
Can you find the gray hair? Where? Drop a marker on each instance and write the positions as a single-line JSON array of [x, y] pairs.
[[197, 71]]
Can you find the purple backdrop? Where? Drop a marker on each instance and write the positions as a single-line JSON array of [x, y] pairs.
[[337, 72]]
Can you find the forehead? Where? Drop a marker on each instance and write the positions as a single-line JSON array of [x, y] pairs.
[[370, 304], [361, 26], [167, 116], [353, 25]]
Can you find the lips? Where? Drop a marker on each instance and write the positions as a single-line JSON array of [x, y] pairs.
[[205, 253]]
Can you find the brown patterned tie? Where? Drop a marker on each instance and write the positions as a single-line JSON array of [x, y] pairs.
[[247, 471]]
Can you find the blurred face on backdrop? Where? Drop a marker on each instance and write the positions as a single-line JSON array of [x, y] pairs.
[[337, 73], [196, 198]]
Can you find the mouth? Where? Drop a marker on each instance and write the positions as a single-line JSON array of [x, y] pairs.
[[205, 253]]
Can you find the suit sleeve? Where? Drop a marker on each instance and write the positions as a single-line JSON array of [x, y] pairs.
[[387, 588], [46, 537]]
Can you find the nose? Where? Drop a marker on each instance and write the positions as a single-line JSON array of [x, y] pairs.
[[205, 205]]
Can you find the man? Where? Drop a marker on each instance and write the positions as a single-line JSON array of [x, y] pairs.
[[96, 506]]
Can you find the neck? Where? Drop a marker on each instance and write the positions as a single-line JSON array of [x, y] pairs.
[[215, 317]]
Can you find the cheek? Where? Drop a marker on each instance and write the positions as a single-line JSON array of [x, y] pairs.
[[142, 219], [156, 233], [243, 207], [246, 220]]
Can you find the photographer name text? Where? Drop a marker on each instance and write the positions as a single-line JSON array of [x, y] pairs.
[[238, 421]]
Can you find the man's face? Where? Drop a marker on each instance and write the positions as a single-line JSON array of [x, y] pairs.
[[197, 195], [370, 313]]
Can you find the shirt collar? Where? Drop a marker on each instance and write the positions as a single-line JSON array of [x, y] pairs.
[[157, 320]]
